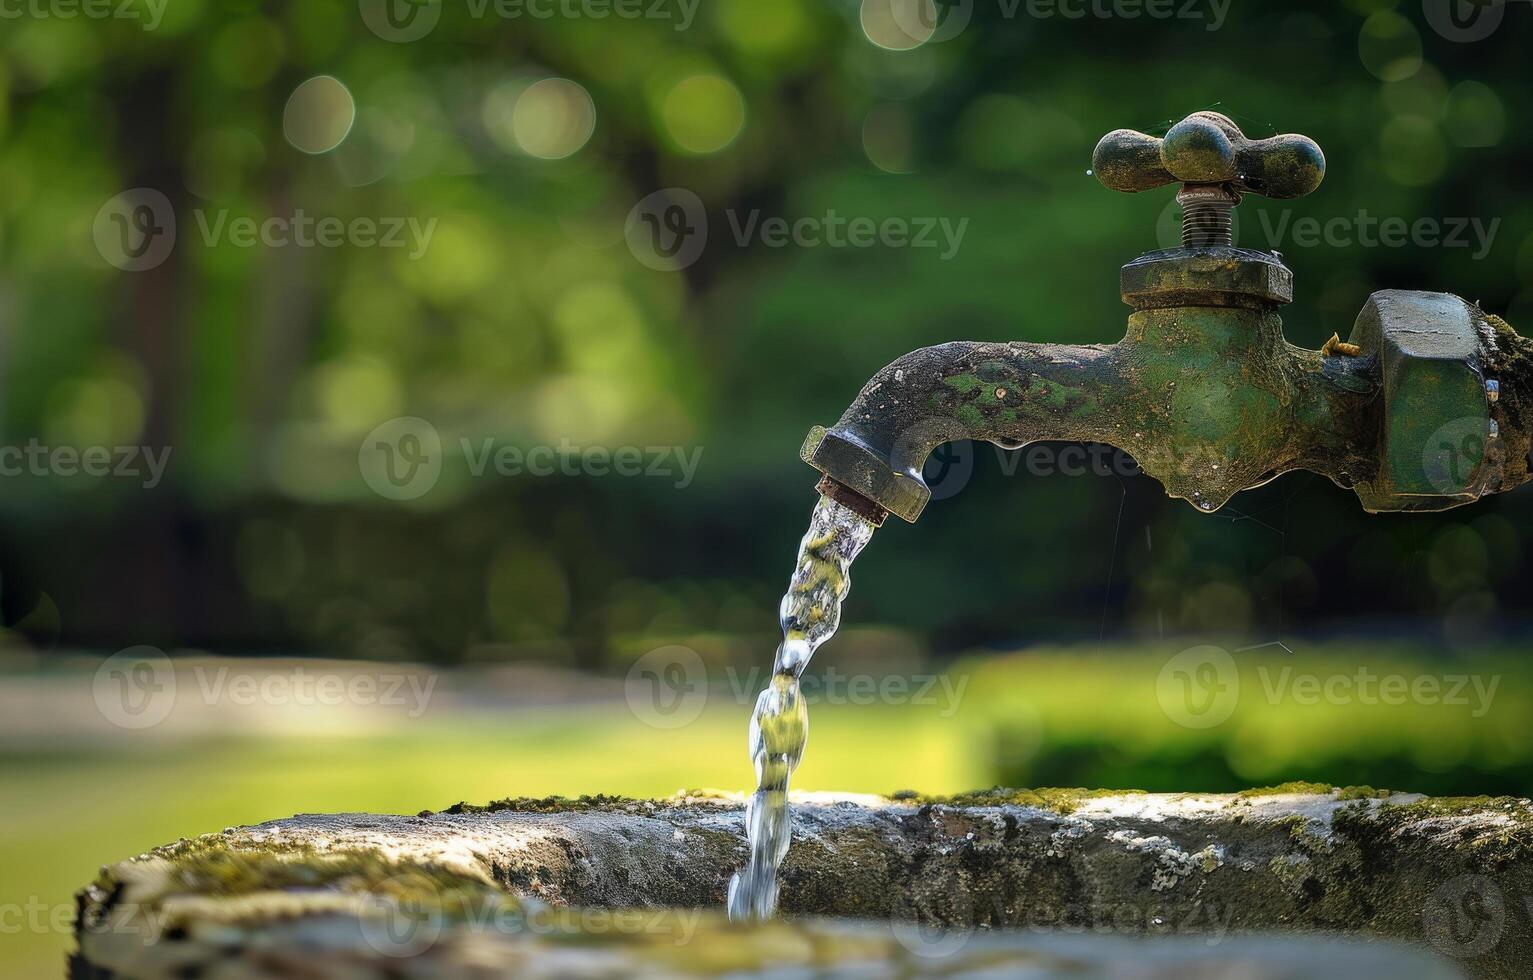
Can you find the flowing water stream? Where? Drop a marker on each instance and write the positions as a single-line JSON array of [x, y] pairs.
[[810, 613]]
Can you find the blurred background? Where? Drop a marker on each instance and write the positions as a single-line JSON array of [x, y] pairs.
[[455, 357]]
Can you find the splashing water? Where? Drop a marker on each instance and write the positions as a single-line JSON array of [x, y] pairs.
[[810, 613]]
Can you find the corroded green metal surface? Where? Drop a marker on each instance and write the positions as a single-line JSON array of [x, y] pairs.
[[1212, 401], [1218, 276], [1430, 406], [1208, 148], [1208, 400], [1437, 420]]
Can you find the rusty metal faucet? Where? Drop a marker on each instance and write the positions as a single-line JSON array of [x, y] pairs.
[[1428, 406]]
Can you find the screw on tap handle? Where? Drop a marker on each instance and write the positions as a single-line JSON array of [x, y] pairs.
[[1208, 148]]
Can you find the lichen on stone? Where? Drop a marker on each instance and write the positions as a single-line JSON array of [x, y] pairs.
[[1063, 801], [544, 804]]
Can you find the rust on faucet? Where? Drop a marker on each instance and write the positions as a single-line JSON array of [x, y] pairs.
[[1428, 405]]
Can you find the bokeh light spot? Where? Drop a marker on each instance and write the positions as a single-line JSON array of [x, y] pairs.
[[246, 53], [1476, 116], [552, 118], [356, 393], [1424, 94], [899, 25], [319, 114], [703, 113], [1389, 46], [886, 138], [773, 28]]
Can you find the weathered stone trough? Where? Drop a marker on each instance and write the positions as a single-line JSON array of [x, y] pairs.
[[1052, 883]]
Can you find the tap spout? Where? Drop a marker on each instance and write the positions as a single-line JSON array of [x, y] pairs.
[[1208, 400], [1010, 394]]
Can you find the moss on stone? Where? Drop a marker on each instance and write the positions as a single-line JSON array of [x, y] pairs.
[[218, 866], [545, 804], [1061, 800], [1458, 806], [1301, 787], [1296, 787], [1363, 793]]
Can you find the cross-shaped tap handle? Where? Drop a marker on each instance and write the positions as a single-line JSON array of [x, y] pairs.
[[1208, 148]]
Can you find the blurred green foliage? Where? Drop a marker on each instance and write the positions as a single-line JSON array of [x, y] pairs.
[[524, 142]]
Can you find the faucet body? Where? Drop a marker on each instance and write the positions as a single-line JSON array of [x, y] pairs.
[[1428, 406], [1209, 401]]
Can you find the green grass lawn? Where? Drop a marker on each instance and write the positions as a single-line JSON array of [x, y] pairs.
[[63, 815], [1056, 717]]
